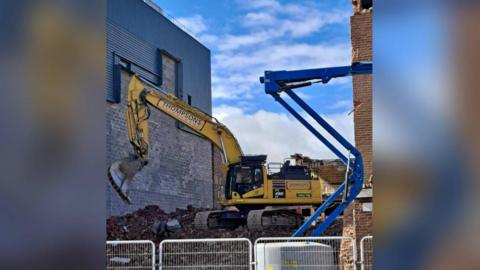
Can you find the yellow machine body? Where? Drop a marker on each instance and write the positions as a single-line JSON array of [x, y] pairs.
[[295, 192]]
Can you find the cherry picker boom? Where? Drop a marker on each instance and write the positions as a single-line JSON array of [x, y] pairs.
[[277, 82]]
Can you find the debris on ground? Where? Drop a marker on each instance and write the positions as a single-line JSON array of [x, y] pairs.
[[152, 223]]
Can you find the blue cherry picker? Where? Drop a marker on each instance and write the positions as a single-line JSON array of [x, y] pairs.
[[277, 82]]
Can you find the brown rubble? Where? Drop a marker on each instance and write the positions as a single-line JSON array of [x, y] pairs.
[[139, 226]]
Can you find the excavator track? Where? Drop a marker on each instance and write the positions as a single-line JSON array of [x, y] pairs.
[[225, 219], [207, 219], [254, 219], [273, 218]]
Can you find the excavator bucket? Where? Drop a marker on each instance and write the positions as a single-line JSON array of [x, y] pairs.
[[121, 174]]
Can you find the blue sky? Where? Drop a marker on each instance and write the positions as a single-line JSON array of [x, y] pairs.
[[248, 37]]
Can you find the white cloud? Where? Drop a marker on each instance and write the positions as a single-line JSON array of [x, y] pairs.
[[278, 134], [307, 25], [263, 4], [302, 95], [233, 42], [265, 28], [224, 111], [195, 24], [289, 20], [342, 104], [234, 85], [255, 19], [286, 56], [208, 39]]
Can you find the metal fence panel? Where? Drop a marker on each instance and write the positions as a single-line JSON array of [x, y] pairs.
[[129, 255], [206, 254], [306, 253], [366, 253]]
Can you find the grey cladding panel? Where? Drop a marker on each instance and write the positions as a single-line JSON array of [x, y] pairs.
[[126, 45], [153, 31]]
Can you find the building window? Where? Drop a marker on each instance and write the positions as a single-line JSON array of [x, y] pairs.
[[120, 63], [116, 94], [169, 74], [189, 100]]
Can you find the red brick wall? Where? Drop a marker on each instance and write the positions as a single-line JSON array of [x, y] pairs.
[[356, 222], [361, 219], [361, 36]]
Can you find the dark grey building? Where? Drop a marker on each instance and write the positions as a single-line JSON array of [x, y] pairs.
[[141, 39]]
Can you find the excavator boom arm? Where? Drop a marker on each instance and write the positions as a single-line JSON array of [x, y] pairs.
[[142, 95]]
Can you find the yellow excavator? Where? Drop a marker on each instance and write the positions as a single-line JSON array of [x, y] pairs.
[[256, 194]]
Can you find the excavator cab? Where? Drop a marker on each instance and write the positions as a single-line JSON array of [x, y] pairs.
[[245, 176]]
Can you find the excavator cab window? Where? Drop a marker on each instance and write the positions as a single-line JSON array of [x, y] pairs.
[[242, 179], [230, 184], [243, 175], [258, 178]]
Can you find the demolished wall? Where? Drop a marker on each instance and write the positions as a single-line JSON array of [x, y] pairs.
[[330, 170]]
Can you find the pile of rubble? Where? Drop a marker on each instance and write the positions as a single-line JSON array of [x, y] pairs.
[[152, 223]]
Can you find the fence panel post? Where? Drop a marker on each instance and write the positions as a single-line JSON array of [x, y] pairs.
[[129, 255], [221, 253], [366, 253]]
